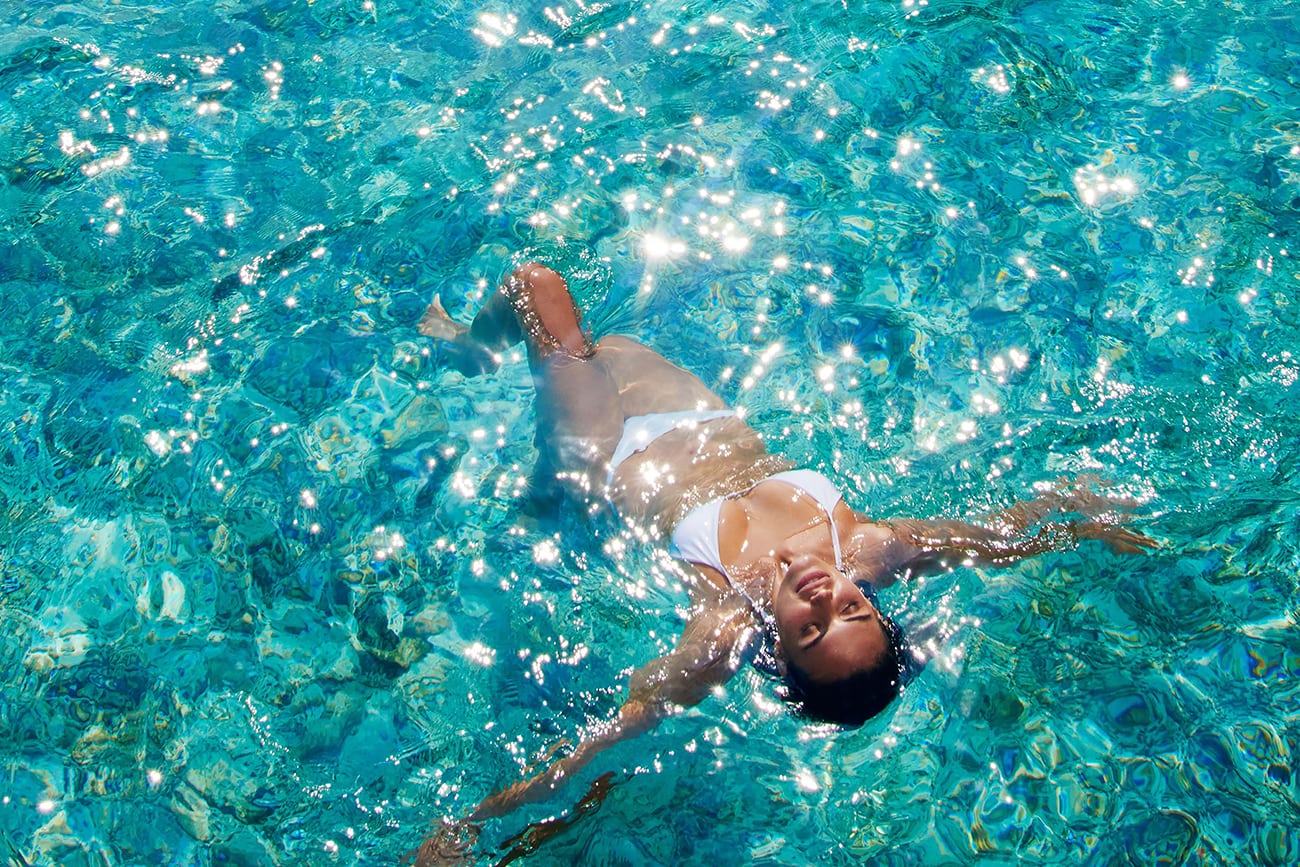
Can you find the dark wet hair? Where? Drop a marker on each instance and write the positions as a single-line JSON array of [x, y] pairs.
[[852, 700]]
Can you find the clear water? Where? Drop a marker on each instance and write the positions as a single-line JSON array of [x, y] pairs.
[[271, 592]]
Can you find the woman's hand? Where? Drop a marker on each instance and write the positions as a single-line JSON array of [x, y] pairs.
[[1077, 496], [1117, 537], [448, 846]]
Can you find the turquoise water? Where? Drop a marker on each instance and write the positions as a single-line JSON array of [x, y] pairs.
[[272, 591]]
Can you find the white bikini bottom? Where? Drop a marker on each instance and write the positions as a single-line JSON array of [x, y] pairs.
[[639, 431]]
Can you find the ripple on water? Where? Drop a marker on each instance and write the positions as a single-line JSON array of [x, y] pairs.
[[257, 542]]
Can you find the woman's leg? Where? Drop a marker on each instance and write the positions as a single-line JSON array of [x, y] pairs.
[[579, 422], [585, 391], [532, 304], [579, 414], [649, 383]]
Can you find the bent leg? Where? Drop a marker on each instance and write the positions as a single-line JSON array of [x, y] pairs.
[[585, 392], [649, 383], [532, 304], [579, 408], [546, 312]]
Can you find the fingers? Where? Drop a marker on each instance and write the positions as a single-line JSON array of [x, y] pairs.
[[1135, 543], [1119, 539], [449, 846]]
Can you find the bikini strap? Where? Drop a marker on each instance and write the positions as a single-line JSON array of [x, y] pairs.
[[835, 537], [826, 495]]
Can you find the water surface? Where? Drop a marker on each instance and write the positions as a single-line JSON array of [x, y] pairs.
[[272, 588]]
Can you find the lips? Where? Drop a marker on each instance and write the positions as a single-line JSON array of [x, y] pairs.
[[809, 581]]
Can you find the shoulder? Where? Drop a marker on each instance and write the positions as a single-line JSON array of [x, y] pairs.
[[861, 528], [720, 628], [870, 551], [705, 584]]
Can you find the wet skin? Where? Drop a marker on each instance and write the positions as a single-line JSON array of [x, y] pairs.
[[774, 549], [827, 627]]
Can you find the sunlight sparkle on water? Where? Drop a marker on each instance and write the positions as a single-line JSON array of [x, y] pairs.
[[71, 147], [116, 161], [494, 29], [1096, 188], [657, 246], [480, 654], [385, 544], [546, 552], [273, 75], [1198, 273], [157, 443], [733, 242], [994, 78], [190, 366]]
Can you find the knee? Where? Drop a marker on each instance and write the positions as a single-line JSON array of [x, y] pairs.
[[536, 275]]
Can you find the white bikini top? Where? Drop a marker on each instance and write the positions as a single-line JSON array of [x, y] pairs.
[[696, 537]]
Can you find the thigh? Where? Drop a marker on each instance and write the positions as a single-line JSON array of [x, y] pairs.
[[579, 418], [649, 383]]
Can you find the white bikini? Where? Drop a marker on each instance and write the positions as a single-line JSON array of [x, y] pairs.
[[641, 430], [695, 538]]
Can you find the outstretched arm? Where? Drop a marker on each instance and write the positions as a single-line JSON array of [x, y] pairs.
[[912, 547], [710, 650]]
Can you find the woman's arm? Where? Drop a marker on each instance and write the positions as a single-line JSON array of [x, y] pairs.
[[911, 547], [710, 650]]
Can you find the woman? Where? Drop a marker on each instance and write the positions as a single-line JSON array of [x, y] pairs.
[[774, 555]]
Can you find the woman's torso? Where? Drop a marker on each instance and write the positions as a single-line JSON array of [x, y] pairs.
[[726, 458], [688, 467], [773, 520]]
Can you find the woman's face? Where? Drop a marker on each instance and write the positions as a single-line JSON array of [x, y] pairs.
[[826, 626]]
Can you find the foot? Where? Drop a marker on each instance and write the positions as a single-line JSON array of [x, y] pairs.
[[436, 323], [466, 354]]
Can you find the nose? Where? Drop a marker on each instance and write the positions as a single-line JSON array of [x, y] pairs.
[[820, 597]]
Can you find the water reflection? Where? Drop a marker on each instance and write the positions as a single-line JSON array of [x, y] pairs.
[[926, 250]]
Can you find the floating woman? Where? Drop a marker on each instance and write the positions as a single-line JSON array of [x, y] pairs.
[[775, 560]]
